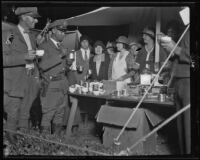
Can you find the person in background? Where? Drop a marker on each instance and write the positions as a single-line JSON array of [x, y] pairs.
[[54, 96], [20, 85], [110, 47], [181, 73], [122, 61], [82, 58], [80, 67], [135, 46], [99, 63], [146, 56], [172, 30]]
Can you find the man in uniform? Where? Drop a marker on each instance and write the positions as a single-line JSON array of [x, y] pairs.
[[181, 74], [53, 64], [18, 54]]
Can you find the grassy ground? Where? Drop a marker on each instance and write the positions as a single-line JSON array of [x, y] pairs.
[[85, 138]]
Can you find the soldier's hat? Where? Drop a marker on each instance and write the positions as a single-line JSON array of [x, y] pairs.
[[30, 11], [60, 24]]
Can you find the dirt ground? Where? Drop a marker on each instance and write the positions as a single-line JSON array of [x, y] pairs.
[[85, 137]]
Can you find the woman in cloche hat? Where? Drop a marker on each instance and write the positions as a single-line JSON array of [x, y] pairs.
[[123, 60]]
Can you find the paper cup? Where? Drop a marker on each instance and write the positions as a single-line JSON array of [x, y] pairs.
[[40, 53]]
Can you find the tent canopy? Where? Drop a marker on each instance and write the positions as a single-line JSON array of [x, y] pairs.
[[106, 16]]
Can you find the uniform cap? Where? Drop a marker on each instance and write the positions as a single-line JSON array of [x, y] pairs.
[[30, 11], [59, 24]]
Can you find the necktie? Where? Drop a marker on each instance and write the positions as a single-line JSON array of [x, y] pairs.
[[58, 45], [86, 55]]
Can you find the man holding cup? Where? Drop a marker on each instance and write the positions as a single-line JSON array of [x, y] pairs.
[[20, 88]]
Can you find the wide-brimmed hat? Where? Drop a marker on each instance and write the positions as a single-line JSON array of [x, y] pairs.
[[30, 11], [149, 32], [60, 24], [99, 43], [122, 39]]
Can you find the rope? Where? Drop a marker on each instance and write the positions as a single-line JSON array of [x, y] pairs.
[[128, 150], [59, 143], [141, 100]]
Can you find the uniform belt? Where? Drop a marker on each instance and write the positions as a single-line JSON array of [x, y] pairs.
[[57, 77]]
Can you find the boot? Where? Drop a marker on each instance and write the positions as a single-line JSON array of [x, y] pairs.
[[12, 138], [57, 128], [45, 130]]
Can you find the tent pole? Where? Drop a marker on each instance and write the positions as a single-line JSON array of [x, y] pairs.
[[157, 46]]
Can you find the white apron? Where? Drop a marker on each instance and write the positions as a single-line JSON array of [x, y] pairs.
[[119, 67]]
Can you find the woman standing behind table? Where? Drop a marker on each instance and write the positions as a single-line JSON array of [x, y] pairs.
[[99, 63], [122, 61], [146, 56]]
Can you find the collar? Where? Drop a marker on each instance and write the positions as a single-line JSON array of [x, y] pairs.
[[22, 30], [99, 58], [148, 50], [55, 42], [83, 50]]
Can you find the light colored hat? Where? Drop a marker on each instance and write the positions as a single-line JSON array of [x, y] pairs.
[[122, 39], [30, 11]]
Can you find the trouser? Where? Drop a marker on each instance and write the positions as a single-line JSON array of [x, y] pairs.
[[11, 107], [182, 98], [31, 92], [51, 107]]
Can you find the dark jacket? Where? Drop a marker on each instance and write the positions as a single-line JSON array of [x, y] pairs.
[[52, 64], [15, 76], [183, 61], [81, 62], [141, 59], [103, 70]]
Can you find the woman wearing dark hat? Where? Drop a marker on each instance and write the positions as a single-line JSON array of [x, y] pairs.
[[146, 56], [122, 61], [110, 47], [100, 62]]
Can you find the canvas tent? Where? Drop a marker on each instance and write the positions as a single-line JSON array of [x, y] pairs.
[[136, 17]]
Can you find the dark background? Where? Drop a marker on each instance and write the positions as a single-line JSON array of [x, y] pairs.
[[66, 10]]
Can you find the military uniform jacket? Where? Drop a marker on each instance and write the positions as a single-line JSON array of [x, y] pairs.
[[52, 65], [15, 76]]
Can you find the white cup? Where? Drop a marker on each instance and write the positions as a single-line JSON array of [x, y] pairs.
[[40, 53]]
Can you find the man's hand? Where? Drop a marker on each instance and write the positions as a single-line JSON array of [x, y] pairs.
[[168, 46], [30, 56], [40, 39]]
